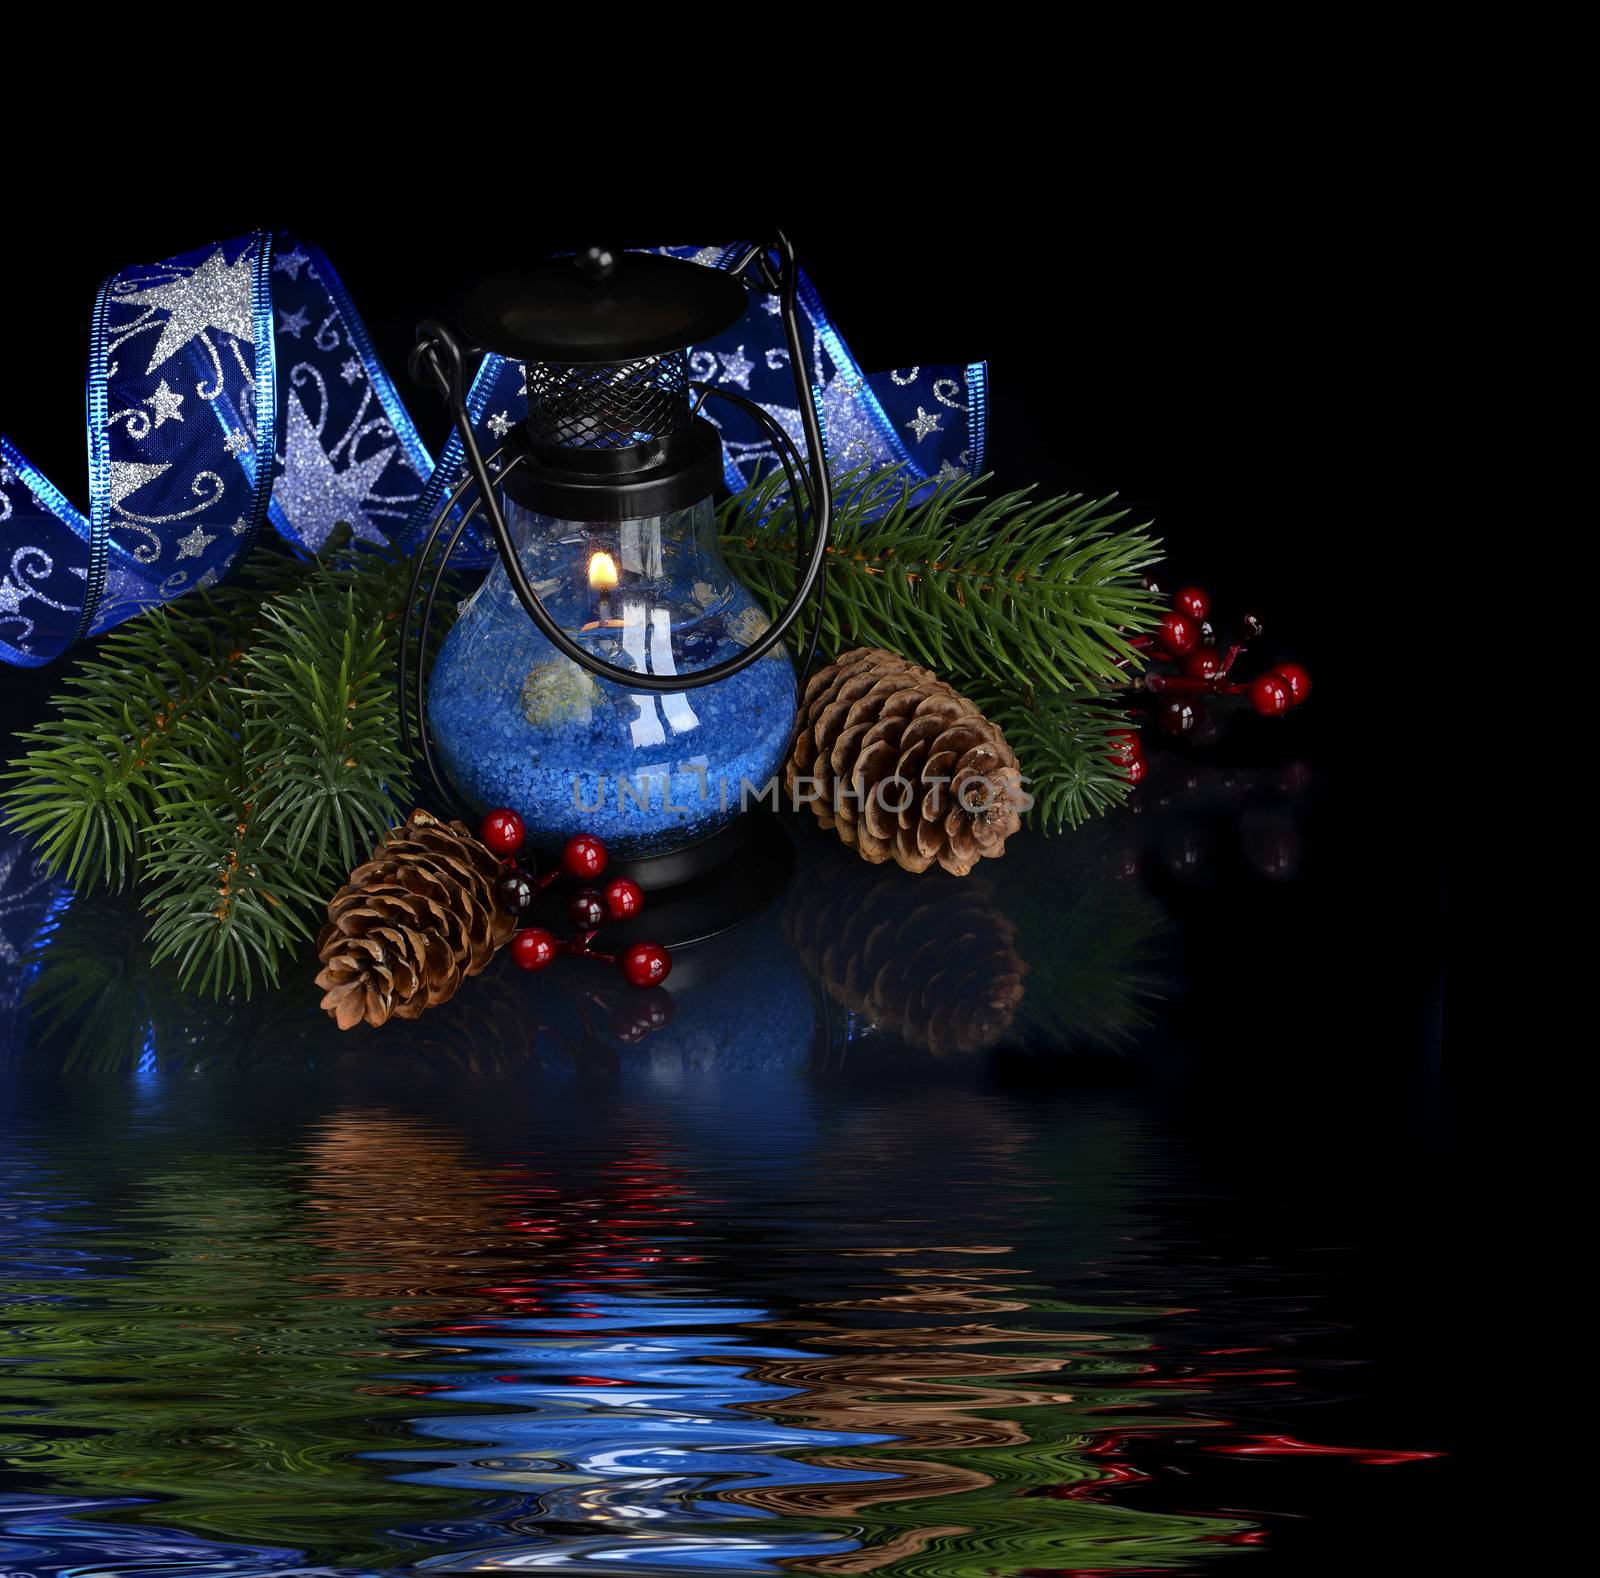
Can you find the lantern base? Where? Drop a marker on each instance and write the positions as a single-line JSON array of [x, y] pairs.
[[673, 867], [708, 887]]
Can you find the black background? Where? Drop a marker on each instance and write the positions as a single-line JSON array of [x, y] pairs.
[[1238, 362], [1235, 346], [1239, 359]]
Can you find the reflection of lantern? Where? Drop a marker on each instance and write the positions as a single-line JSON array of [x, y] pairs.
[[649, 698]]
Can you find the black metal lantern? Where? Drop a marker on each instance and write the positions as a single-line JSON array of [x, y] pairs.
[[611, 675]]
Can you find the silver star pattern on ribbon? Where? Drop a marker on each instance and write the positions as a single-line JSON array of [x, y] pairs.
[[237, 442], [352, 370], [736, 367], [292, 323], [165, 404], [215, 296], [195, 544], [128, 476], [923, 423], [291, 263], [500, 424], [10, 598], [312, 494], [949, 473]]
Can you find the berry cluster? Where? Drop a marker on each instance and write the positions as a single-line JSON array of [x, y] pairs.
[[588, 908], [1187, 639]]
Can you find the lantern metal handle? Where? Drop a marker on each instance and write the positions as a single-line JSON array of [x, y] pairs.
[[438, 355]]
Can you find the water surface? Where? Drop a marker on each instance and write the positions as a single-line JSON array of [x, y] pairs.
[[1074, 1218], [664, 1321]]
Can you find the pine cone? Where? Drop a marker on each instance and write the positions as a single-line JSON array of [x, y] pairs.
[[906, 767], [411, 924], [932, 963]]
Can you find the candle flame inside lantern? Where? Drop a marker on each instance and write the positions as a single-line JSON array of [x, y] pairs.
[[602, 572]]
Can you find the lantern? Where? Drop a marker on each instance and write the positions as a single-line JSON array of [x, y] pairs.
[[611, 675]]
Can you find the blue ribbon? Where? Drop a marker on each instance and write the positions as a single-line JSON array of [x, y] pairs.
[[237, 384]]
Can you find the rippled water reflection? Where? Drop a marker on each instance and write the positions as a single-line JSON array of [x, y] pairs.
[[260, 1325]]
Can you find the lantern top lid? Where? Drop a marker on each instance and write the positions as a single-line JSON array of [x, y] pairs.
[[600, 307]]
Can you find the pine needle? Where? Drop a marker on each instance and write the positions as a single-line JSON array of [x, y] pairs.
[[1024, 604], [232, 755], [1064, 745], [235, 752]]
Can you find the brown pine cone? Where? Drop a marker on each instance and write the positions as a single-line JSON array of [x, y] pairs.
[[934, 964], [411, 924], [905, 766]]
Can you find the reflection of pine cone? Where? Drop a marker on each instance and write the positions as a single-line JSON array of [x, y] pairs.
[[934, 963], [906, 767], [411, 924]]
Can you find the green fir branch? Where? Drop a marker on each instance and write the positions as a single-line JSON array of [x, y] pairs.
[[1016, 590], [1024, 604], [310, 771], [222, 905], [236, 751], [88, 787], [321, 719], [1063, 743]]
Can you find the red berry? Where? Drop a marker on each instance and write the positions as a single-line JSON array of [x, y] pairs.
[[586, 909], [1135, 770], [584, 857], [646, 964], [1177, 633], [1269, 695], [1194, 602], [514, 892], [1296, 678], [624, 897], [1203, 663], [502, 831], [533, 949], [632, 1020], [1178, 716], [1125, 747]]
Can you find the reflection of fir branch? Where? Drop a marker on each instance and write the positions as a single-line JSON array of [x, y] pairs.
[[1060, 954], [984, 1458], [1092, 943], [94, 986], [100, 1003], [190, 1360]]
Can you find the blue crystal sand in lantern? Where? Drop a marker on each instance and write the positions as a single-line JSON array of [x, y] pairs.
[[516, 723]]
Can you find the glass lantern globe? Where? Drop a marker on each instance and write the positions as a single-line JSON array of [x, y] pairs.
[[517, 723], [610, 675]]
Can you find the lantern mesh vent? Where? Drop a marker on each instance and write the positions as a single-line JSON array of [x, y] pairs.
[[615, 406]]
